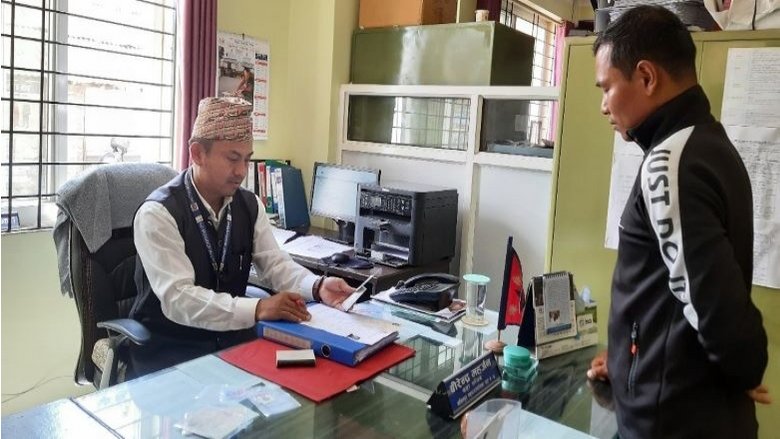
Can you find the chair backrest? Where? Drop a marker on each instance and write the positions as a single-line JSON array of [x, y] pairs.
[[103, 288], [103, 281]]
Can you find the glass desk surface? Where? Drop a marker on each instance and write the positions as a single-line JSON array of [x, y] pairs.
[[392, 404]]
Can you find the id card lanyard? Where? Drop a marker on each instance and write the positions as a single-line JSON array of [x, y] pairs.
[[200, 219]]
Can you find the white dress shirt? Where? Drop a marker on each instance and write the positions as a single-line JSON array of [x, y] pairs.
[[172, 276]]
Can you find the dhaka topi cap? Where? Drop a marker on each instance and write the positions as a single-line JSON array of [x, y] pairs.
[[223, 118]]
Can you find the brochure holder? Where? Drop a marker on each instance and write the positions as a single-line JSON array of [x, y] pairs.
[[553, 323]]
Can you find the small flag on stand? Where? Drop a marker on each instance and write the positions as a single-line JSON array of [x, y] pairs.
[[512, 297]]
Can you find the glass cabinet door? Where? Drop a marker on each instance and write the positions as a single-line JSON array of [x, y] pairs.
[[429, 122], [517, 126]]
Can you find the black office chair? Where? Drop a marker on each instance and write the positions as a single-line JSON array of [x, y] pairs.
[[103, 282], [104, 290]]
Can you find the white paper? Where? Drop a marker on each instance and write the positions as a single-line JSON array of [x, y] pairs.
[[760, 151], [456, 309], [281, 235], [360, 328], [557, 297], [234, 54], [407, 329], [216, 422], [314, 247], [751, 116], [626, 160], [211, 369], [273, 401], [751, 96], [766, 248]]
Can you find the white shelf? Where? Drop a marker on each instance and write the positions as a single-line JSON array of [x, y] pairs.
[[516, 181]]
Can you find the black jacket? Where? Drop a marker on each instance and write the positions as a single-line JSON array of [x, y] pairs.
[[685, 340]]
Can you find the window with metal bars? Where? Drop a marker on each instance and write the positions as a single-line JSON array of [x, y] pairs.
[[85, 82], [431, 122], [521, 17]]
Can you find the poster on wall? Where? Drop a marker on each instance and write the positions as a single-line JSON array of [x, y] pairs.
[[751, 117], [626, 159], [243, 71]]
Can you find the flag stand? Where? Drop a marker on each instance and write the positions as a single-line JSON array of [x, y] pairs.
[[496, 346], [512, 303]]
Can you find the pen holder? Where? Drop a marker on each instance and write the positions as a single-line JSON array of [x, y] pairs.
[[476, 292]]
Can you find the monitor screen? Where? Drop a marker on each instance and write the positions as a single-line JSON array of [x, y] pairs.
[[334, 190]]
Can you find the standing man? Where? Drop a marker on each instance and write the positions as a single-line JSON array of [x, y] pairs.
[[197, 237], [687, 349]]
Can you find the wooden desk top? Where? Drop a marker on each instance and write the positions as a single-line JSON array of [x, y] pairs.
[[384, 276]]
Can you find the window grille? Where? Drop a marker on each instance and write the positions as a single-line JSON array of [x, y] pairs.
[[521, 17], [85, 82]]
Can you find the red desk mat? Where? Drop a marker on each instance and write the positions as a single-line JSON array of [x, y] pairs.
[[326, 379]]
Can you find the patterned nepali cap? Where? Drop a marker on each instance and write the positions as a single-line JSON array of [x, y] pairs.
[[223, 118]]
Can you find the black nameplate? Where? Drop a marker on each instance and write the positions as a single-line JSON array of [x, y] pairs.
[[459, 391]]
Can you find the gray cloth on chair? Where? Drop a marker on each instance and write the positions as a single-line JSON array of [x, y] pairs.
[[98, 201]]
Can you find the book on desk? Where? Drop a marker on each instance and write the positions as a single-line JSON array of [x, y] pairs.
[[343, 337]]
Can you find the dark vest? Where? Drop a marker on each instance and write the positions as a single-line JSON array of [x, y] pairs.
[[233, 279]]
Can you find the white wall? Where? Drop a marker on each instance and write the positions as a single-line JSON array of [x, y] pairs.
[[510, 202]]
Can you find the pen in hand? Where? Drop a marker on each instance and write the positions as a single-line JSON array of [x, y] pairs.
[[350, 301], [368, 279]]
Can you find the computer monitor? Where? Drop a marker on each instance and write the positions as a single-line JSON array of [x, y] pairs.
[[334, 194]]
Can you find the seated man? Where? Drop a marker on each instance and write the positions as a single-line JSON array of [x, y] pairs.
[[196, 238]]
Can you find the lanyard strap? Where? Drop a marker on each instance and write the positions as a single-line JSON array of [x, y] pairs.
[[200, 216]]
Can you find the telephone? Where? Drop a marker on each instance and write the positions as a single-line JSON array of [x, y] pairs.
[[434, 290]]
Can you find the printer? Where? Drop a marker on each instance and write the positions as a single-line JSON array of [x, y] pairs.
[[401, 224]]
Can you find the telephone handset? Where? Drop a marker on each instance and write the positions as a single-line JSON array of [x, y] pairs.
[[431, 289], [428, 278]]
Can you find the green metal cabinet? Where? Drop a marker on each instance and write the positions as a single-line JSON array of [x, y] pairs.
[[484, 53]]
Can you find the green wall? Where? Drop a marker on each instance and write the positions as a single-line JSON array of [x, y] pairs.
[[581, 173], [310, 46], [40, 327], [266, 20]]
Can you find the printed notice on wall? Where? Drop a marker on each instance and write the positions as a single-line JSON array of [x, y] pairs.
[[626, 160], [243, 67], [751, 116]]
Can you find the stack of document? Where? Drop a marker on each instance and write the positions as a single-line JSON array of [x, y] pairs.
[[343, 337], [449, 314], [310, 246]]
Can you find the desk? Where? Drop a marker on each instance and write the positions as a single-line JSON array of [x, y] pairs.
[[59, 419], [390, 405], [384, 276]]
